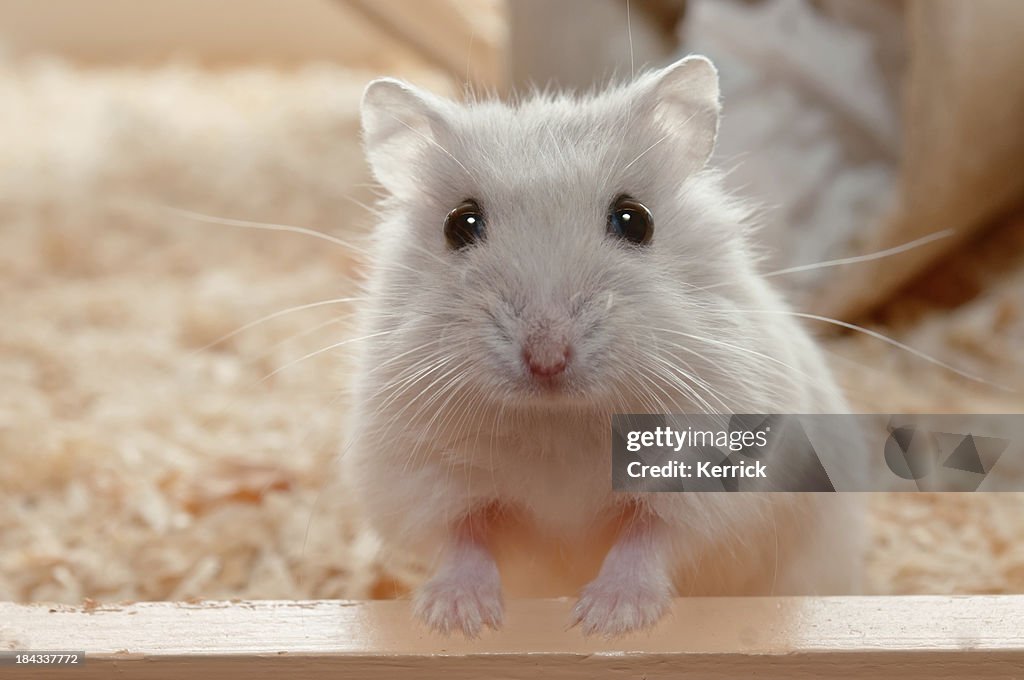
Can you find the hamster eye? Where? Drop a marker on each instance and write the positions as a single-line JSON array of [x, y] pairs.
[[464, 225], [630, 220]]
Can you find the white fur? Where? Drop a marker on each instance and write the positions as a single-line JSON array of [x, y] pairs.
[[450, 425]]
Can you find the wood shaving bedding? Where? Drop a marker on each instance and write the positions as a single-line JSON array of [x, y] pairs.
[[967, 311], [138, 464]]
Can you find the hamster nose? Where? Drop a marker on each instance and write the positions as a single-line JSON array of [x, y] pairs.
[[546, 364]]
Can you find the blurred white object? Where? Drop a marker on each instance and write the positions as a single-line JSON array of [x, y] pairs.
[[811, 125]]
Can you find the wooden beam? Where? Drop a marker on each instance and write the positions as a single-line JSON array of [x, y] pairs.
[[834, 637]]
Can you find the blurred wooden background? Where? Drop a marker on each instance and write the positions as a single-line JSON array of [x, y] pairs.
[[963, 93], [461, 36]]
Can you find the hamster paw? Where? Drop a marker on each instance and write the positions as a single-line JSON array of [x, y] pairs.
[[459, 603], [610, 608]]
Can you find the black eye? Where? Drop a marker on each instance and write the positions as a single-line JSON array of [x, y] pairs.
[[630, 220], [464, 225]]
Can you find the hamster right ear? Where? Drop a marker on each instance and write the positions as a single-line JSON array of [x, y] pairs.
[[399, 121]]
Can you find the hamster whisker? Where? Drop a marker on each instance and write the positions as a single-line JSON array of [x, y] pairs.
[[395, 421], [496, 420], [644, 152], [466, 417], [402, 385], [448, 381], [288, 228], [466, 84], [677, 375], [649, 402], [629, 34], [685, 387], [271, 317], [879, 255], [426, 361], [450, 388], [380, 214], [652, 146], [714, 395], [422, 374], [375, 187], [418, 448], [399, 357], [252, 224], [295, 336], [453, 376], [689, 372], [741, 378], [460, 407], [679, 378], [637, 388], [654, 403], [347, 341], [737, 375], [657, 342], [738, 348], [651, 381], [888, 340], [368, 208]]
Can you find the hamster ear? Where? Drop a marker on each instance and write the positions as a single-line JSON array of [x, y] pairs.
[[685, 97], [399, 122]]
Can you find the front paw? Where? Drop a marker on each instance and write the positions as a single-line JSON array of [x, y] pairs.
[[610, 608], [451, 604]]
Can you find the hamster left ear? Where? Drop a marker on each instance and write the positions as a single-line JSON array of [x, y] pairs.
[[400, 121], [686, 104]]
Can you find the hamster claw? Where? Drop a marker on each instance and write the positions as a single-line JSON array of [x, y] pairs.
[[610, 609], [464, 604]]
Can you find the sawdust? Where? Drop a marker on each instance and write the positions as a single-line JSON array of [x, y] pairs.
[[140, 464]]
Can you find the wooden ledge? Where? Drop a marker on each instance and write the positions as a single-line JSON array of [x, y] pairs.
[[834, 637]]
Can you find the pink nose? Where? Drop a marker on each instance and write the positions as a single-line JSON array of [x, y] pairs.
[[548, 365]]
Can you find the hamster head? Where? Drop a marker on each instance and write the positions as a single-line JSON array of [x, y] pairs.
[[555, 248]]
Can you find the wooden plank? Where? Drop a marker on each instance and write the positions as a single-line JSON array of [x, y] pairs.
[[835, 637]]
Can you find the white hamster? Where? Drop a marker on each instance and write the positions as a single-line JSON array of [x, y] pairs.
[[540, 265]]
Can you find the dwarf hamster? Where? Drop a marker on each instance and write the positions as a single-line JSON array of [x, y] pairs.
[[539, 265]]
